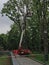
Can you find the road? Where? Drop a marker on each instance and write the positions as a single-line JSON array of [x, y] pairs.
[[26, 61], [20, 60]]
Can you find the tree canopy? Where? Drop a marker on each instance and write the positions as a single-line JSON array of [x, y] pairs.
[[34, 25]]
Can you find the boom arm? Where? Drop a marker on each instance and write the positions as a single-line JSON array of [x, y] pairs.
[[22, 18], [21, 38]]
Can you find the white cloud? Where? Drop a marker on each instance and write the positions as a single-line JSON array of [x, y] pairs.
[[5, 22], [4, 30]]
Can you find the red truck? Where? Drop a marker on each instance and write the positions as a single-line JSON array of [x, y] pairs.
[[22, 51]]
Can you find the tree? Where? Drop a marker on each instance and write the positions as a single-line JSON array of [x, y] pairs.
[[18, 10], [3, 41], [14, 9], [13, 37], [45, 33]]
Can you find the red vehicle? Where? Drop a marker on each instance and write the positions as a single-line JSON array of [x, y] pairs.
[[22, 51]]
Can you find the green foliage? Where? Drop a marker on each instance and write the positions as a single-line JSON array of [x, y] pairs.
[[13, 37], [33, 25], [3, 41]]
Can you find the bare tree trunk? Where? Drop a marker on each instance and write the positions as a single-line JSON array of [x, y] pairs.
[[45, 30]]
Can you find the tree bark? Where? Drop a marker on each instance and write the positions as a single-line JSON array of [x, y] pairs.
[[45, 41]]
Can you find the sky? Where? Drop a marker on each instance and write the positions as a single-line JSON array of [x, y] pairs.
[[5, 22]]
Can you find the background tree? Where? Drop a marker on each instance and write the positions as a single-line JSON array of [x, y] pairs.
[[13, 37], [3, 41], [34, 25]]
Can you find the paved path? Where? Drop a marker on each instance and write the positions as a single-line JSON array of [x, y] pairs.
[[26, 61], [14, 59], [19, 60]]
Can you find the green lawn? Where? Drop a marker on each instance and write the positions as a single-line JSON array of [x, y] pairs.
[[38, 57], [5, 60]]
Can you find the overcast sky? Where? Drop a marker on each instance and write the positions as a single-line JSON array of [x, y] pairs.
[[5, 22]]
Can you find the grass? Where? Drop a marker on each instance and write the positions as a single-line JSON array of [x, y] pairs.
[[5, 60], [38, 57]]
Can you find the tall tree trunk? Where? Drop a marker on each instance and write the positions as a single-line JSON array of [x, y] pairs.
[[39, 13], [45, 30]]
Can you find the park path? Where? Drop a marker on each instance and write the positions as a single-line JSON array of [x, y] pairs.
[[14, 59], [20, 60]]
